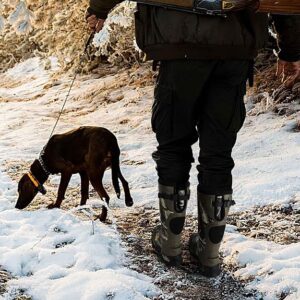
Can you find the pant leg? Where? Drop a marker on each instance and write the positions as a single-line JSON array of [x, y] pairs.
[[174, 117], [222, 115]]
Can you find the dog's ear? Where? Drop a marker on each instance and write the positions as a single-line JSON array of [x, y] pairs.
[[21, 183], [25, 185]]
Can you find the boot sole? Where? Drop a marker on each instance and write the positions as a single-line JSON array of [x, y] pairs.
[[209, 271]]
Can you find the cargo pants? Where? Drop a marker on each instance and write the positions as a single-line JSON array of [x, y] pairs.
[[198, 99]]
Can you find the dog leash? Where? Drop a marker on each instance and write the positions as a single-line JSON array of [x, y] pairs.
[[73, 80]]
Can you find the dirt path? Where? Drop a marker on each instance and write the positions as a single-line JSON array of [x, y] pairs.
[[135, 227]]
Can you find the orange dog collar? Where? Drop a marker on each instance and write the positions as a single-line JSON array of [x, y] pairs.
[[36, 183]]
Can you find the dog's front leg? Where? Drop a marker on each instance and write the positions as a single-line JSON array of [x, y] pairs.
[[64, 181], [84, 187]]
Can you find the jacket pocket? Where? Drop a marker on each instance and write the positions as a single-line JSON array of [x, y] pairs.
[[162, 111]]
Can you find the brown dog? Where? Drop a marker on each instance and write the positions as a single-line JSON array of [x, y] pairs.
[[87, 151]]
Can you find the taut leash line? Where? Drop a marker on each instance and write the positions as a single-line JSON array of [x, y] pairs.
[[72, 83], [63, 106]]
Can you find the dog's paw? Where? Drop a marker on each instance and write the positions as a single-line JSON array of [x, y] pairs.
[[129, 202], [102, 217]]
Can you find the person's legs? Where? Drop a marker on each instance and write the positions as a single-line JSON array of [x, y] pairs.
[[221, 116], [174, 119]]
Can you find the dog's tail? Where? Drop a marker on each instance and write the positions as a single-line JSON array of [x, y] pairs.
[[115, 169]]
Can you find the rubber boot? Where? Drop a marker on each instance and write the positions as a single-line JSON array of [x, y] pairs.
[[166, 238], [204, 245]]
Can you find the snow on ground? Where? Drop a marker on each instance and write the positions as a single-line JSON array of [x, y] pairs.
[[273, 269], [267, 158], [53, 254]]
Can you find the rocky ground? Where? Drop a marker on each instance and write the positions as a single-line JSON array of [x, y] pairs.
[[135, 228], [4, 278], [277, 223], [280, 224]]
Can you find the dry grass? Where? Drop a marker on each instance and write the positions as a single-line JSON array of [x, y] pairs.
[[269, 93]]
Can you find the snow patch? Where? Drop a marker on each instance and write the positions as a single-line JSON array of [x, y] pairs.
[[54, 254], [271, 268], [267, 157]]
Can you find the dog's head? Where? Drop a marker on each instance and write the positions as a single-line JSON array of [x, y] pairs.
[[28, 188]]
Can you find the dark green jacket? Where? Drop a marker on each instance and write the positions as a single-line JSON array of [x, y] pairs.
[[166, 34]]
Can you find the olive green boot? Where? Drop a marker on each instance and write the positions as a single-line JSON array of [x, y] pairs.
[[166, 238], [204, 245]]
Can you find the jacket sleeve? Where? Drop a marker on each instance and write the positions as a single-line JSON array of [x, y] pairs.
[[288, 36], [101, 8]]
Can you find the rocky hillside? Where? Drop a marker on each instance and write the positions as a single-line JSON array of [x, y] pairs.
[[47, 28], [57, 28]]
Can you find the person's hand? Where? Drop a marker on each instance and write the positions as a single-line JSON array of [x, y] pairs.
[[94, 23], [289, 72]]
